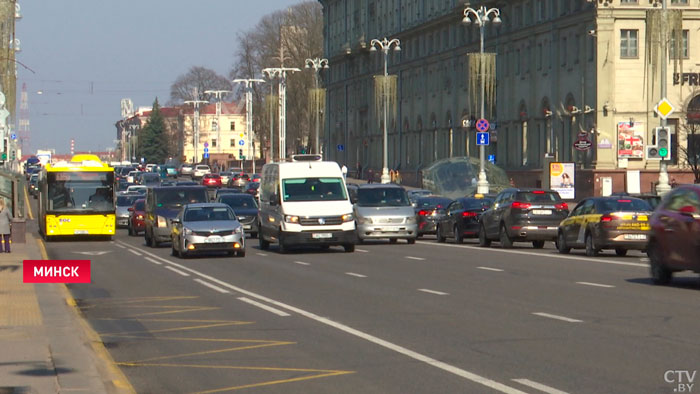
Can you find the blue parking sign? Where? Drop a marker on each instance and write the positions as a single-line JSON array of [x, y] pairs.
[[341, 147], [241, 142]]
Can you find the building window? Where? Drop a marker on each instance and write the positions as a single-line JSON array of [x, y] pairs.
[[233, 126], [628, 43], [213, 142], [679, 2], [628, 1], [233, 143], [684, 45], [517, 62], [563, 7], [539, 56], [577, 48]]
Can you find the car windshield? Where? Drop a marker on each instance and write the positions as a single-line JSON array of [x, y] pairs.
[[202, 167], [313, 189], [140, 205], [239, 201], [623, 205], [433, 203], [477, 203], [126, 201], [382, 197], [205, 214], [174, 197], [538, 196], [79, 191]]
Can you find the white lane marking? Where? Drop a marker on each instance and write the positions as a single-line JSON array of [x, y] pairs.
[[433, 292], [539, 386], [301, 263], [120, 246], [594, 284], [415, 258], [361, 250], [355, 275], [261, 254], [552, 255], [265, 307], [135, 252], [644, 260], [209, 285], [557, 317], [153, 261], [490, 269], [357, 333], [176, 270]]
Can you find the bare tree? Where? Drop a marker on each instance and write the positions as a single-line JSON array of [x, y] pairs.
[[286, 38], [196, 79], [690, 153]]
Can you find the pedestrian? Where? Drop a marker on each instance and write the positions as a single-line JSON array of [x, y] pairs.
[[392, 176], [344, 170], [359, 170], [370, 175], [5, 224]]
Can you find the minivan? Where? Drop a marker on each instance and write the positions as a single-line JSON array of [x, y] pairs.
[[163, 204], [384, 211]]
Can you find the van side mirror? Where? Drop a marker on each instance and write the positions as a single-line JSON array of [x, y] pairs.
[[353, 199], [175, 221]]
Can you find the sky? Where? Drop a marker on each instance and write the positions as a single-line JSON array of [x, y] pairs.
[[86, 55]]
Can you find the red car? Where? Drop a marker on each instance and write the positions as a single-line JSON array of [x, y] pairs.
[[675, 234], [137, 213], [211, 180]]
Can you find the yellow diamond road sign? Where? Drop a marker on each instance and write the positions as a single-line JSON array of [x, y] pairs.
[[664, 108]]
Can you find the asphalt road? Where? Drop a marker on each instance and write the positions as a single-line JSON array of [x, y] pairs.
[[423, 318]]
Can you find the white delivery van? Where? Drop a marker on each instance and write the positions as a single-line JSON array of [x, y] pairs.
[[303, 203]]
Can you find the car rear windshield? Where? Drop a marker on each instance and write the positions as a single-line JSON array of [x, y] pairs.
[[433, 203], [202, 167], [238, 201], [140, 205], [382, 197], [174, 197], [623, 205], [477, 203], [538, 196], [124, 201]]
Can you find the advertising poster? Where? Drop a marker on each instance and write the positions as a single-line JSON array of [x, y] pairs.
[[561, 179], [630, 140]]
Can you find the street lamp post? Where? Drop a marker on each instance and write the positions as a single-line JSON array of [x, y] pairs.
[[248, 86], [195, 125], [317, 64], [281, 73], [663, 187], [385, 46], [481, 18]]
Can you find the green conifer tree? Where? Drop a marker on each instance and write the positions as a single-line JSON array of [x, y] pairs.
[[153, 144]]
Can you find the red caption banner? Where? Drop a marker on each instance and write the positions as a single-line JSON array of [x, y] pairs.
[[56, 271]]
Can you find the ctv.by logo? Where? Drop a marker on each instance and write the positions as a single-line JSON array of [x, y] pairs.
[[683, 379]]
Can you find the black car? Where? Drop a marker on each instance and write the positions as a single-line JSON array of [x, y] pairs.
[[246, 209], [523, 215], [429, 210], [462, 219]]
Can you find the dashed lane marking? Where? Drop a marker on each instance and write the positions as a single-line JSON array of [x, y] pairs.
[[355, 275], [433, 292], [539, 386], [265, 307], [135, 252], [594, 284], [490, 269], [153, 261], [361, 250], [262, 254], [177, 271], [415, 258], [211, 286], [120, 246], [557, 317], [301, 263]]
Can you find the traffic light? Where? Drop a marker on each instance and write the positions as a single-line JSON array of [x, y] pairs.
[[13, 154], [4, 156], [240, 154], [661, 150]]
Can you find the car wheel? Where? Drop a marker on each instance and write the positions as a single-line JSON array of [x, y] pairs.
[[538, 244], [146, 238], [282, 247], [561, 244], [438, 234], [349, 248], [240, 253], [506, 241], [660, 274], [591, 249], [483, 241], [411, 241], [392, 240], [264, 245], [622, 252], [173, 251], [459, 237]]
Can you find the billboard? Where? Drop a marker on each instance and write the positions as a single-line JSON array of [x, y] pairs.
[[630, 140], [561, 179]]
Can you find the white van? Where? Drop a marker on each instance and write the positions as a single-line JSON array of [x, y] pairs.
[[304, 203]]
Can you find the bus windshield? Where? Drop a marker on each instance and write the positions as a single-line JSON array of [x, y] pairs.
[[313, 189], [80, 191]]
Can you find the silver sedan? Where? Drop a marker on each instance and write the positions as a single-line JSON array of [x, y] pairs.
[[207, 227]]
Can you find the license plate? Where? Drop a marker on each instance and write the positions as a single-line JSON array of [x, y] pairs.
[[247, 227], [215, 239], [636, 236], [80, 232], [541, 211], [321, 235]]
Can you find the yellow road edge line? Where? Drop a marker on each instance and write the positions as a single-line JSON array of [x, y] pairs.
[[273, 382], [29, 207], [215, 351]]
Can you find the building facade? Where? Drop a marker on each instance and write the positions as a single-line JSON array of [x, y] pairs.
[[567, 71]]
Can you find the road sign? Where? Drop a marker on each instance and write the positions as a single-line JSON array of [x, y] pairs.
[[482, 138], [482, 125], [206, 150], [206, 155], [664, 108], [492, 158], [13, 136], [241, 142], [341, 147], [583, 144], [206, 144]]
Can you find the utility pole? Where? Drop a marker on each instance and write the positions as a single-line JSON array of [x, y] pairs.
[[663, 187], [218, 94], [281, 74], [248, 87], [195, 123], [317, 64]]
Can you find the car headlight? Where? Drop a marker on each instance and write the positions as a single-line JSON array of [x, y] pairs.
[[186, 231], [162, 222], [411, 220], [363, 220], [291, 219], [238, 230]]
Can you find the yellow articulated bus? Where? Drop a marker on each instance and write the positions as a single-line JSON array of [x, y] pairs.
[[77, 198]]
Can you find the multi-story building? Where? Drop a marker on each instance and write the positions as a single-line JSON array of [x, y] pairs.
[[567, 70]]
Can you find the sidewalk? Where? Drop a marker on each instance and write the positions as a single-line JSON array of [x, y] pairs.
[[46, 345]]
